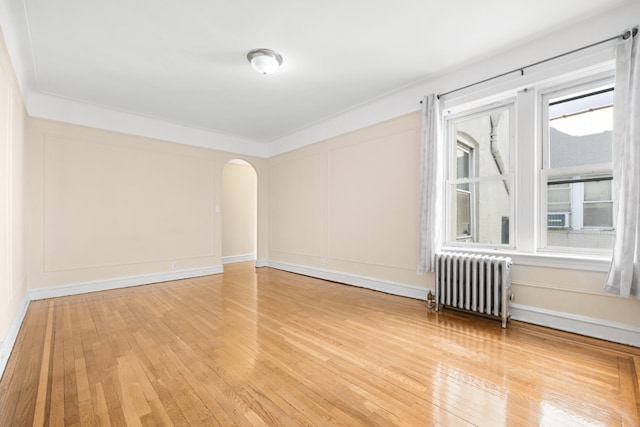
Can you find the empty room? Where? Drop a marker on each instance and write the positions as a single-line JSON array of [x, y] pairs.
[[417, 213]]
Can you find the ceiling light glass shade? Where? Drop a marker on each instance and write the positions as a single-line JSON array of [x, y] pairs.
[[265, 61]]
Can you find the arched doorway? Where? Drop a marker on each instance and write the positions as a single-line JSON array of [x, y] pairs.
[[239, 212]]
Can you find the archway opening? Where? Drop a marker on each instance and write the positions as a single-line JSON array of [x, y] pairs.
[[239, 212]]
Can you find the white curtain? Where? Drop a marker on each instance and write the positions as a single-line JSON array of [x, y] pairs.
[[624, 273], [431, 170]]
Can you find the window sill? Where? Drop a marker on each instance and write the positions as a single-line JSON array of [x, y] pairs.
[[582, 262]]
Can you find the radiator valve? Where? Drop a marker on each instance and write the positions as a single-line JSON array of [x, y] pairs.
[[431, 299]]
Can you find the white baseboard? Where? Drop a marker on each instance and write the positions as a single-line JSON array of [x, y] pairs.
[[385, 286], [589, 326], [12, 334], [121, 282], [238, 258], [262, 263]]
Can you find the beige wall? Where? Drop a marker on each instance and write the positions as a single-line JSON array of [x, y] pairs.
[[572, 291], [239, 209], [106, 205], [350, 204], [12, 267]]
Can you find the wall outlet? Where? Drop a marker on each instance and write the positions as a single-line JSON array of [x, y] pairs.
[[174, 265]]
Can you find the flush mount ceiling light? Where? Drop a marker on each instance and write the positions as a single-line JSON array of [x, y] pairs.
[[265, 61]]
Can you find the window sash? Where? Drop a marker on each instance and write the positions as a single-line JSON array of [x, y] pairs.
[[454, 143], [567, 175]]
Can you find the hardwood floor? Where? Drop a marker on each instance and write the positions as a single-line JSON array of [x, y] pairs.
[[265, 347]]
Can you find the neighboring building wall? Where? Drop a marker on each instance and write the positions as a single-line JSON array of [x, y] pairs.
[[584, 238], [568, 150]]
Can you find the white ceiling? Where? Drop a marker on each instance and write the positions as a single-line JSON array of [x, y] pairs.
[[185, 61]]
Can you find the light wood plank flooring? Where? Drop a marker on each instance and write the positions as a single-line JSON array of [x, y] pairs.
[[265, 347]]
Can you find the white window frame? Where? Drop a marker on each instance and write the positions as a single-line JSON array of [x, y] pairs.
[[526, 159], [508, 103], [547, 172]]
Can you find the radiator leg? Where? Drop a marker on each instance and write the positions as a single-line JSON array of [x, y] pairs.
[[506, 291], [437, 283]]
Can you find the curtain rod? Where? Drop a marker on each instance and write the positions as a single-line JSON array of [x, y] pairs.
[[624, 36]]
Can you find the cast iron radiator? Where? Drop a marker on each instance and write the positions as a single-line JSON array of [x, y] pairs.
[[476, 283]]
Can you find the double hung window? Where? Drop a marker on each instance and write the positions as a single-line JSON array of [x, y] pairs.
[[557, 176]]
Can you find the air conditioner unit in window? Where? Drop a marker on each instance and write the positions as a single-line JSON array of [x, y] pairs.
[[559, 220]]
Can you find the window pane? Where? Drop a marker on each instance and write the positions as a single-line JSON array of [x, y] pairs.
[[463, 165], [580, 129], [463, 220], [599, 214], [559, 197], [488, 137], [585, 220], [484, 212], [597, 190]]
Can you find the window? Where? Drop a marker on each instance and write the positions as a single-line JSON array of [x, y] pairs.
[[547, 192], [576, 128], [479, 196]]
